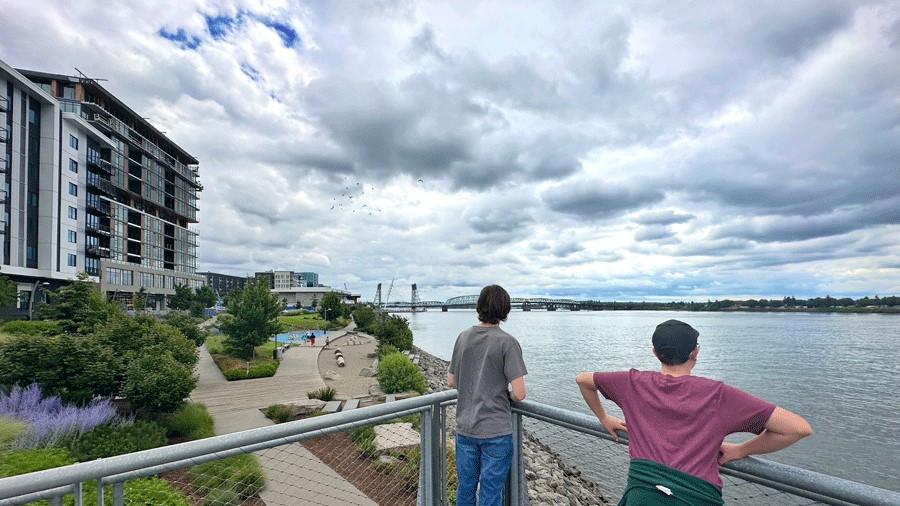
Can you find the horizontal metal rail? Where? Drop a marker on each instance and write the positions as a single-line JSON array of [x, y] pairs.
[[53, 483], [793, 480]]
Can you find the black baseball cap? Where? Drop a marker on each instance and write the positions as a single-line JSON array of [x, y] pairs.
[[676, 335]]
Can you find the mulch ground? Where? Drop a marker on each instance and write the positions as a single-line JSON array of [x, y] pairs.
[[339, 452]]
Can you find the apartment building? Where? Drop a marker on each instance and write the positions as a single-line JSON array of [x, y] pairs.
[[91, 186], [223, 283]]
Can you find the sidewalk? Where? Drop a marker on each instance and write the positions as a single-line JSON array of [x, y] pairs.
[[235, 406]]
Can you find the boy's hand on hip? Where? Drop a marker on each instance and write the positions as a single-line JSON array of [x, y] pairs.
[[612, 424]]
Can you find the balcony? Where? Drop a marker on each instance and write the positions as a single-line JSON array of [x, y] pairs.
[[95, 162], [4, 135], [545, 440], [100, 184], [100, 206], [97, 251], [97, 229], [4, 104]]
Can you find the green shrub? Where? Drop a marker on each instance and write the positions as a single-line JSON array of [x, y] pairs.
[[150, 490], [157, 383], [323, 394], [364, 439], [385, 349], [240, 474], [110, 440], [191, 420], [225, 497], [394, 330], [31, 328], [261, 370], [187, 324], [397, 373], [14, 462], [10, 429], [365, 318], [279, 413]]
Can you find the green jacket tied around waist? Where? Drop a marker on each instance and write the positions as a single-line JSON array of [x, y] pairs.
[[654, 484]]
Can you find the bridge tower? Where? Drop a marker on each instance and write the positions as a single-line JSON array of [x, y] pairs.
[[414, 299], [377, 300]]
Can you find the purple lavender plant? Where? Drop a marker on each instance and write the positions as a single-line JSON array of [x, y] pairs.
[[48, 419]]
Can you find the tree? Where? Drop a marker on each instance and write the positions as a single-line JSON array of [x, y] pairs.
[[206, 296], [9, 292], [331, 302], [139, 301], [78, 306], [182, 299], [253, 313]]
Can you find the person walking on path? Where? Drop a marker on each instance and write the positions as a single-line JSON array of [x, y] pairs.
[[676, 423], [488, 370]]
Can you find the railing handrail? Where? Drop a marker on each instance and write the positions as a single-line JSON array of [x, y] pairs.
[[273, 435], [817, 486], [795, 480]]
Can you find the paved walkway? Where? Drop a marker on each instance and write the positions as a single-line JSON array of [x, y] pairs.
[[293, 474]]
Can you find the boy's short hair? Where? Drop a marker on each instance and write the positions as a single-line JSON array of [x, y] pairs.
[[493, 304]]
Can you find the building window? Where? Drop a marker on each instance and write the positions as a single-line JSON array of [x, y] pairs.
[[72, 260], [73, 141], [73, 213], [73, 189], [73, 165], [146, 280], [73, 237], [127, 278], [113, 276]]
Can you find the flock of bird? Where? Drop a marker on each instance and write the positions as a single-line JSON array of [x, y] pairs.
[[352, 198]]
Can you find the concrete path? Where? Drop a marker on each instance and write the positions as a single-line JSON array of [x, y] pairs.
[[294, 475]]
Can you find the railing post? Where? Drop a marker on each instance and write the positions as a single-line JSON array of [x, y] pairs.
[[443, 452], [119, 493], [513, 492], [429, 484]]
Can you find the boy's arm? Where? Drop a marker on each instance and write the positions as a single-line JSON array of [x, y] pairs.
[[591, 396], [451, 379], [783, 429], [518, 388]]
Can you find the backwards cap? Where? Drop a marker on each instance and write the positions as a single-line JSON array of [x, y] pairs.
[[676, 335]]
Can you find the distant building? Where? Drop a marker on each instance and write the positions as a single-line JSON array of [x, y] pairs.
[[305, 296], [223, 283], [266, 278], [282, 280], [91, 186], [307, 279]]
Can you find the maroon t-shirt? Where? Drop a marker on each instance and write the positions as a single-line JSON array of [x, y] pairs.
[[681, 421]]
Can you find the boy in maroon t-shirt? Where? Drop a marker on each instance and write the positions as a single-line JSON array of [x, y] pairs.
[[677, 423]]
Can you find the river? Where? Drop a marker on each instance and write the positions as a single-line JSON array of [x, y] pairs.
[[839, 371]]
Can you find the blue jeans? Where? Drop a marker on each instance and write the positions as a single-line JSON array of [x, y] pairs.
[[482, 463]]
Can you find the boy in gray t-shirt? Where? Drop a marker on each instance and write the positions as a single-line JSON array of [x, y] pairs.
[[486, 360]]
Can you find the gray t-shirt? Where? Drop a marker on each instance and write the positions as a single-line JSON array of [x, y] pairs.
[[485, 360]]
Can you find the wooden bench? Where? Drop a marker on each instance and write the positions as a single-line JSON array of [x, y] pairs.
[[350, 404], [332, 407], [390, 398]]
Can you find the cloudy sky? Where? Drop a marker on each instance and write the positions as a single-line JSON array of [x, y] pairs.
[[632, 150]]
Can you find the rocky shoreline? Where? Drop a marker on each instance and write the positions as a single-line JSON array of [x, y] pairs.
[[550, 481]]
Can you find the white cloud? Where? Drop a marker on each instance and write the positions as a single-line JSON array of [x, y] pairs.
[[623, 150]]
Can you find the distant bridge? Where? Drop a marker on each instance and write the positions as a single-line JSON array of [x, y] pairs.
[[469, 302]]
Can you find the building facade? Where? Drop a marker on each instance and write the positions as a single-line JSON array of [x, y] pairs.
[[91, 186], [223, 283]]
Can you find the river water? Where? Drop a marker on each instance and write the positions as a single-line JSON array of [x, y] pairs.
[[839, 371]]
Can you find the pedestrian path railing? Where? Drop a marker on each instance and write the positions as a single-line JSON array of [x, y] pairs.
[[400, 453]]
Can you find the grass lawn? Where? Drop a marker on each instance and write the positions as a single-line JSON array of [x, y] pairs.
[[214, 343], [304, 321]]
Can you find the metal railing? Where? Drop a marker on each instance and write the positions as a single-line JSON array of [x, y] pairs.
[[309, 461]]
